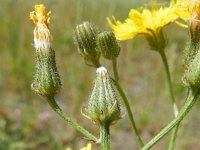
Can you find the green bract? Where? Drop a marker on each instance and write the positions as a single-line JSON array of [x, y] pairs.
[[46, 80], [85, 40], [103, 105], [108, 45]]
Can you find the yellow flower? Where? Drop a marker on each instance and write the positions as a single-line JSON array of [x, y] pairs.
[[88, 147], [41, 20], [182, 10], [189, 10], [147, 22]]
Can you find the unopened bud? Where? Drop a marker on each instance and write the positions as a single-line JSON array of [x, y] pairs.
[[103, 106], [85, 40], [46, 80], [108, 45]]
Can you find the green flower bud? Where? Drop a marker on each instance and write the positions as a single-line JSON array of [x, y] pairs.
[[46, 80], [103, 106], [108, 45], [85, 40]]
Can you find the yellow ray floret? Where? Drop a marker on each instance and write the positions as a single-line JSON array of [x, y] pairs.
[[41, 20], [146, 21]]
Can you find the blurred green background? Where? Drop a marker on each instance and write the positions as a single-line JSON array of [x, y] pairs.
[[26, 120]]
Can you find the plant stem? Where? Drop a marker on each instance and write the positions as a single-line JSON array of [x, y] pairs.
[[128, 109], [127, 105], [175, 108], [173, 137], [105, 137], [193, 95], [114, 64], [59, 111], [164, 59]]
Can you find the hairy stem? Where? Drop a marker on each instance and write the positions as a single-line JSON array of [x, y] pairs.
[[105, 137], [59, 111], [193, 95]]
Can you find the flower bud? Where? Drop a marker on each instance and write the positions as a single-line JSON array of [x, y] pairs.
[[85, 40], [108, 45], [103, 106], [46, 80]]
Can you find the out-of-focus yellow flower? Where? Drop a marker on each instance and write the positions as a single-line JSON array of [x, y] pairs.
[[41, 20], [88, 147], [188, 10], [182, 10], [148, 22]]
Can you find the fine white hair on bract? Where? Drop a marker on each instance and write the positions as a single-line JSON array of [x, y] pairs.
[[101, 70]]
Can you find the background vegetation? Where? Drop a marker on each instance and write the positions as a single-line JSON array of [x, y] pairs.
[[28, 123]]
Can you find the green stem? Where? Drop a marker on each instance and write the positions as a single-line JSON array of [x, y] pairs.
[[175, 108], [127, 105], [174, 132], [193, 95], [114, 62], [105, 137], [164, 59], [173, 137], [128, 109], [59, 111]]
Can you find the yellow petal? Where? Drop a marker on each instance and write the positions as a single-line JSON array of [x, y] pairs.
[[141, 22]]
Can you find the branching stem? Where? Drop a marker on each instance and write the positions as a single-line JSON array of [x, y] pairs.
[[193, 95]]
